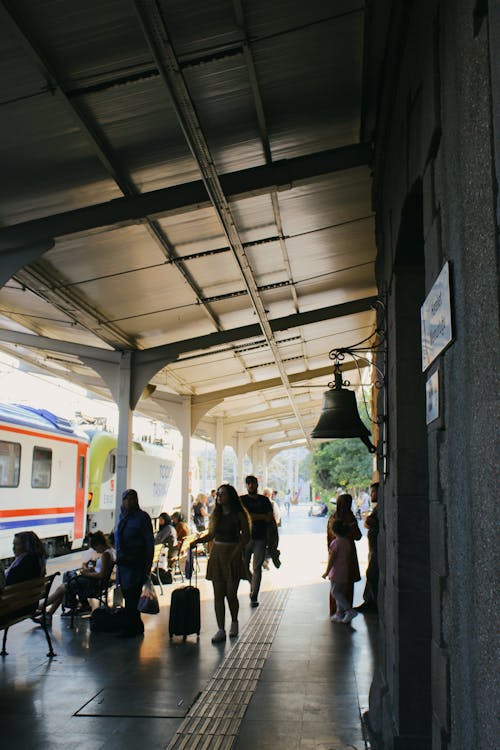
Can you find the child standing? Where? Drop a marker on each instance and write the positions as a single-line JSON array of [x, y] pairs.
[[342, 570]]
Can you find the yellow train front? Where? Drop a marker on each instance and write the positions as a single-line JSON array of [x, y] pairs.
[[153, 475]]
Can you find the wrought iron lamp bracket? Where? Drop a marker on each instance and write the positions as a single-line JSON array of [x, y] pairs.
[[358, 353]]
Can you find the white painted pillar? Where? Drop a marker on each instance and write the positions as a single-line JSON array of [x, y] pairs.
[[124, 450], [219, 451], [185, 430], [265, 467], [290, 478], [240, 455]]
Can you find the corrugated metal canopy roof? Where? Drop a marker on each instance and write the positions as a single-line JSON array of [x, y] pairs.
[[174, 170]]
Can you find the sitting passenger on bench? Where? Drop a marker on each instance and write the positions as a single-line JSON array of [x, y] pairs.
[[29, 558], [167, 536], [181, 528], [85, 582]]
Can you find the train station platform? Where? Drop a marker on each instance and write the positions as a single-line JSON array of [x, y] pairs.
[[291, 680]]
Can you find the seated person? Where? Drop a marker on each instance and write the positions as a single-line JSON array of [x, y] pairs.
[[85, 582], [29, 558], [29, 561], [167, 536], [181, 528]]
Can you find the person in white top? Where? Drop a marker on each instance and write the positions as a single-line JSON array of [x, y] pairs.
[[85, 582]]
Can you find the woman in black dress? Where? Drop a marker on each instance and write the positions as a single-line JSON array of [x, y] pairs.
[[230, 531]]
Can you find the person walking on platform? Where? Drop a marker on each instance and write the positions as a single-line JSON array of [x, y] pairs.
[[342, 570], [229, 529], [344, 513], [134, 556], [372, 524], [272, 539], [261, 512], [200, 512]]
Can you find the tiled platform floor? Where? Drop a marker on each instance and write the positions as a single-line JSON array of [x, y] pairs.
[[102, 692]]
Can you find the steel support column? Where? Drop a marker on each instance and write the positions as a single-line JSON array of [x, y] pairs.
[[123, 457]]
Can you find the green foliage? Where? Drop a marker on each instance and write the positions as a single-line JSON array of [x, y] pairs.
[[341, 463]]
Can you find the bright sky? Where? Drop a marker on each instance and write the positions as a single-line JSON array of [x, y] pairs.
[[64, 399]]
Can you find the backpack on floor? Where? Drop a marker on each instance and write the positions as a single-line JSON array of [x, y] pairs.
[[107, 620], [164, 576]]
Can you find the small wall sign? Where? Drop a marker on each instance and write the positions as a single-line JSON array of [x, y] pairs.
[[435, 316], [432, 398]]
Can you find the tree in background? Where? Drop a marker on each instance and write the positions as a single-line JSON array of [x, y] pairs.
[[341, 463], [285, 470]]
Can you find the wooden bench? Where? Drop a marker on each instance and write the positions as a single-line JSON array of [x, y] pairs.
[[19, 601]]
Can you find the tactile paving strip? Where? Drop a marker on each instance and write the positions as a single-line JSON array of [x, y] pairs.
[[213, 721]]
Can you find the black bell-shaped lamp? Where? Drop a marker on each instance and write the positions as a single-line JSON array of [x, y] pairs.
[[340, 417]]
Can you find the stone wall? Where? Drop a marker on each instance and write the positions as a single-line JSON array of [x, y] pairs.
[[436, 199]]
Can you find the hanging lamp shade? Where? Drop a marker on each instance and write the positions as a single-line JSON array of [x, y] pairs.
[[340, 418]]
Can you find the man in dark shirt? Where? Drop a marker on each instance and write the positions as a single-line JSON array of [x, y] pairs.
[[261, 513]]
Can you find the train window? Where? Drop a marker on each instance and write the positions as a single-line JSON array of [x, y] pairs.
[[81, 472], [10, 463], [41, 470], [109, 467]]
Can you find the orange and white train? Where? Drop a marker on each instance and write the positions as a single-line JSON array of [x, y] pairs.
[[60, 482], [43, 478]]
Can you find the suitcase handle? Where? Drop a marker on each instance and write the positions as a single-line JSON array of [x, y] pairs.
[[193, 561]]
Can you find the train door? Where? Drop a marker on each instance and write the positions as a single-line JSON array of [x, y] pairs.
[[80, 492]]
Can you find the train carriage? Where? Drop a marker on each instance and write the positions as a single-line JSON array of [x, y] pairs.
[[154, 474], [43, 478]]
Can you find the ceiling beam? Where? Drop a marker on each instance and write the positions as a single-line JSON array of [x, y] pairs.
[[216, 397], [309, 418], [55, 345], [250, 416], [168, 353], [158, 37], [103, 150], [282, 174]]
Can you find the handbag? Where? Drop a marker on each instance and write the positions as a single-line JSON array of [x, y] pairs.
[[107, 620], [117, 596], [148, 601]]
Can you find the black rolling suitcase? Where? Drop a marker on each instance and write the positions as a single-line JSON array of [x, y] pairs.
[[185, 612]]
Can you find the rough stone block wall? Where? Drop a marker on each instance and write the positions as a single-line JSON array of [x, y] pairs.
[[439, 127]]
